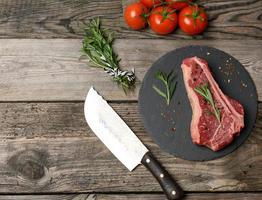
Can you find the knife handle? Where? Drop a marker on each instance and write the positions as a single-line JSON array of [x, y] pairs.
[[172, 190]]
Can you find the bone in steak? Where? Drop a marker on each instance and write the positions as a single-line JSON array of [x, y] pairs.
[[206, 129]]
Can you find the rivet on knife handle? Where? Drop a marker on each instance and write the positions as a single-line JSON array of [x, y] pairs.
[[172, 190]]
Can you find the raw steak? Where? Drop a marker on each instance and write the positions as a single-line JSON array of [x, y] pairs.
[[206, 128]]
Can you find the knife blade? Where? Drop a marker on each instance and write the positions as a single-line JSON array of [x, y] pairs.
[[112, 131], [123, 143]]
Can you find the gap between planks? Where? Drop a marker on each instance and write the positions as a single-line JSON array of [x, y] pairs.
[[190, 196]]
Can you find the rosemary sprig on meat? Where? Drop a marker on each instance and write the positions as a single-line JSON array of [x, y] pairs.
[[97, 46], [204, 91], [170, 86]]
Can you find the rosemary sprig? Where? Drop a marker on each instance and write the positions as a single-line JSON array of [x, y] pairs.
[[97, 46], [170, 86], [204, 91]]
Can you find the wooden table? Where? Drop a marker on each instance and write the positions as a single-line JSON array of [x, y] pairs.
[[47, 151]]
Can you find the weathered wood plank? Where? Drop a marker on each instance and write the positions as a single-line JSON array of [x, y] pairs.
[[47, 147], [60, 120], [51, 70], [55, 18], [197, 196], [67, 19], [81, 164]]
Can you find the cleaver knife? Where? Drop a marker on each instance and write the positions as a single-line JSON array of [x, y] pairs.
[[124, 144]]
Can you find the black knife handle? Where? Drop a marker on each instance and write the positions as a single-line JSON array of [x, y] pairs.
[[172, 190]]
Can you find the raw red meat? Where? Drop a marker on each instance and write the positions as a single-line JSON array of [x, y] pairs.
[[206, 129]]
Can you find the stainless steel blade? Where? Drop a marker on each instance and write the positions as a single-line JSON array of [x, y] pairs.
[[113, 131]]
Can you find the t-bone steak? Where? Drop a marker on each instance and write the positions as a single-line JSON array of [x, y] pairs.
[[206, 128]]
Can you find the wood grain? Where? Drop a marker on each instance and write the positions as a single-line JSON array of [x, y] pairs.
[[66, 119], [200, 196], [55, 18], [229, 19], [47, 147], [52, 69]]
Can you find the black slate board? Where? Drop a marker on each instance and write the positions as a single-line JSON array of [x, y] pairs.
[[159, 119]]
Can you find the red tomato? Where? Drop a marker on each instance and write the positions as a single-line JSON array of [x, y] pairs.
[[135, 16], [163, 20], [193, 20], [178, 4], [151, 3]]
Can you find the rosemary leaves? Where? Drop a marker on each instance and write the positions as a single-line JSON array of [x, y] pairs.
[[97, 46], [204, 91], [170, 86]]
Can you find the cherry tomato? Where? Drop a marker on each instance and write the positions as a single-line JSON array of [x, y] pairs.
[[193, 20], [163, 20], [178, 4], [151, 3], [135, 16]]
